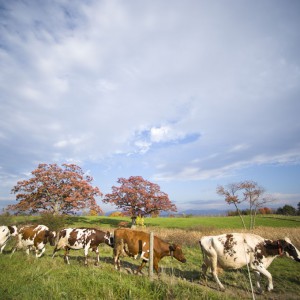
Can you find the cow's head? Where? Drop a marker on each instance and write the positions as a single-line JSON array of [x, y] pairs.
[[51, 236], [175, 251], [13, 230], [289, 249], [109, 239]]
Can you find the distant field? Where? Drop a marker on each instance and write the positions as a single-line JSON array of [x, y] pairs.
[[185, 223], [23, 277]]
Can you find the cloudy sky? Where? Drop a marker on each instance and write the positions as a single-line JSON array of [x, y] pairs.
[[188, 94]]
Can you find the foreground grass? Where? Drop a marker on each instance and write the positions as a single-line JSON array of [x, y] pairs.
[[25, 277]]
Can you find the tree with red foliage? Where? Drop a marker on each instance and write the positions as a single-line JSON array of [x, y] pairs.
[[139, 197], [265, 211], [56, 189]]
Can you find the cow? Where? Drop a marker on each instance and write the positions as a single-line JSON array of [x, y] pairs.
[[6, 232], [82, 238], [35, 237], [136, 244], [236, 250]]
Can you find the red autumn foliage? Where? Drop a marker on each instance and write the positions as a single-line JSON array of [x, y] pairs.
[[265, 211], [56, 189], [139, 197]]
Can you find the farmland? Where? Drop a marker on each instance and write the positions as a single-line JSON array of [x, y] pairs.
[[23, 277]]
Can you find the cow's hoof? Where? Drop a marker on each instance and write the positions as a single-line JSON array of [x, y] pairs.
[[260, 291]]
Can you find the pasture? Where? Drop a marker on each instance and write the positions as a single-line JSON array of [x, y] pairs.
[[25, 277]]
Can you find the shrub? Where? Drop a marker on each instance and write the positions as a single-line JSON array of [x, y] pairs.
[[6, 219], [140, 221], [116, 214], [54, 222]]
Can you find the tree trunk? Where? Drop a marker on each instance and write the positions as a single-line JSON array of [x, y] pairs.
[[133, 222], [56, 209], [240, 215]]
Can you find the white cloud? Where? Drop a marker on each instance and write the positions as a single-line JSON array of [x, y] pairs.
[[106, 81]]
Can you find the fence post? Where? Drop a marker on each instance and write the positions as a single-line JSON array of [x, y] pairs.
[[151, 242]]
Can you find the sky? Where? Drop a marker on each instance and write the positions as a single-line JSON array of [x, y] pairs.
[[188, 94]]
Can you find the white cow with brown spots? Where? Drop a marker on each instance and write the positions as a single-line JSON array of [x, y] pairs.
[[236, 250], [82, 238], [35, 237], [6, 232]]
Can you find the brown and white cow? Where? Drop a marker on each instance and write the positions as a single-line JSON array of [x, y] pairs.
[[6, 232], [34, 237], [82, 238], [236, 250], [136, 244]]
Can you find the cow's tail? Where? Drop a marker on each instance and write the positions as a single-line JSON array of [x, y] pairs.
[[202, 250]]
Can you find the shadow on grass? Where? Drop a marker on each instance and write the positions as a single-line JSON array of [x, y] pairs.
[[111, 222]]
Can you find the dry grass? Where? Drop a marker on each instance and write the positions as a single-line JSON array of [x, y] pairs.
[[191, 238]]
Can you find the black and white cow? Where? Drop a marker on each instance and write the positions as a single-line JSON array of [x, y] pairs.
[[6, 232], [82, 238], [236, 250], [35, 237]]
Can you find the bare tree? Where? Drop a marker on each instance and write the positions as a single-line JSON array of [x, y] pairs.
[[232, 197], [246, 191]]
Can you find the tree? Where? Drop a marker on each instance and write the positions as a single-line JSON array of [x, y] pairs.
[[246, 191], [56, 189], [139, 197], [298, 209], [265, 210], [287, 210], [253, 195], [231, 197]]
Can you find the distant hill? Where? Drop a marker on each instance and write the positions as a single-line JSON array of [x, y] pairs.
[[194, 212]]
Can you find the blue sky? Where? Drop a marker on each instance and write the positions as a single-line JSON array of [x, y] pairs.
[[188, 94]]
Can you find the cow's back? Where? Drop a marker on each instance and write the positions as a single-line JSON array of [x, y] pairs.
[[137, 242], [33, 234], [133, 240]]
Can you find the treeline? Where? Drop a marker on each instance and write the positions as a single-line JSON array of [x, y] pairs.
[[286, 210]]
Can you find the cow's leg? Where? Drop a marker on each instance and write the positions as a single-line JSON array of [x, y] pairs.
[[263, 271], [18, 246], [118, 248], [1, 250], [66, 255], [86, 252], [97, 258], [257, 277], [204, 268], [141, 266], [155, 266], [117, 259], [54, 251], [214, 270], [41, 251], [13, 250]]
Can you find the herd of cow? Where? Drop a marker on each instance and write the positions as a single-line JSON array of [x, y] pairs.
[[227, 251]]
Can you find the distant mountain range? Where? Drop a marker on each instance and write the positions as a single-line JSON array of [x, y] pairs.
[[194, 212]]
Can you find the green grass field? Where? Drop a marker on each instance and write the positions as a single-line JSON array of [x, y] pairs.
[[25, 277]]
